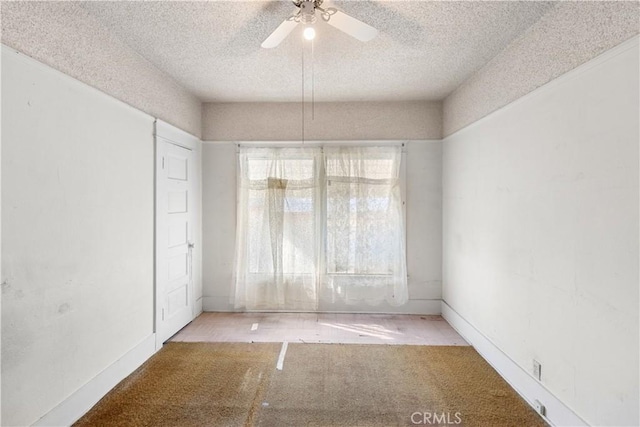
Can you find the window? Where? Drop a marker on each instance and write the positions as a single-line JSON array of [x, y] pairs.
[[319, 224]]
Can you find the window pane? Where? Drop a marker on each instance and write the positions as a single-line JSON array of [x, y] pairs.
[[282, 216], [362, 224]]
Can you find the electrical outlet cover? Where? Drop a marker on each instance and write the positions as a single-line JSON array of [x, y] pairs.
[[537, 370]]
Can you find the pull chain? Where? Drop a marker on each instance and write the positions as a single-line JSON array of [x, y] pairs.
[[313, 91], [303, 93]]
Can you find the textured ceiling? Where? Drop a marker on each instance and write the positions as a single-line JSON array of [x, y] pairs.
[[423, 52]]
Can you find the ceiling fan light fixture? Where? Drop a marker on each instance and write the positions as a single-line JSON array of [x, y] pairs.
[[306, 15], [309, 33]]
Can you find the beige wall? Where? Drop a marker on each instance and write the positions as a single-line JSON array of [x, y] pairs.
[[570, 34], [332, 121], [66, 37]]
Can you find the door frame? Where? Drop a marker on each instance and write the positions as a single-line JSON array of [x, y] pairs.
[[166, 133]]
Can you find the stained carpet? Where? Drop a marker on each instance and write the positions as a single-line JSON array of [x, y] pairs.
[[237, 384], [190, 384]]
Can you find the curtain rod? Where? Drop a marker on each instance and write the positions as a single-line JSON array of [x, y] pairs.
[[297, 144]]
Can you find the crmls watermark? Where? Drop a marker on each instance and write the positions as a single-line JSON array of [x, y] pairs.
[[436, 418]]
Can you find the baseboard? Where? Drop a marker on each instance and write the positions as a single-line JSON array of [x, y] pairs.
[[557, 413], [76, 405], [426, 306], [198, 308], [217, 304]]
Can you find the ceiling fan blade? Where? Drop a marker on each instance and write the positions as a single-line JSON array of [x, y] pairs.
[[279, 34], [352, 26]]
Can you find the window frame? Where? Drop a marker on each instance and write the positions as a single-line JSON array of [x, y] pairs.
[[352, 143]]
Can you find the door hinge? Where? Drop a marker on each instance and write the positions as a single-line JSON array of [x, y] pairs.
[[163, 163], [163, 314]]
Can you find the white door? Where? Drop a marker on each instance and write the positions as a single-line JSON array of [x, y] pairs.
[[175, 220]]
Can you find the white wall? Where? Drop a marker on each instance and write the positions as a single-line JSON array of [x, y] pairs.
[[282, 121], [77, 229], [541, 213], [412, 120], [1, 275], [424, 228], [219, 161]]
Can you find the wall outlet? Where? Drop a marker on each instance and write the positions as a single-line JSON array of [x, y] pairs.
[[540, 408], [537, 370]]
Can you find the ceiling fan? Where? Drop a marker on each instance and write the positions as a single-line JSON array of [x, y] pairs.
[[307, 16]]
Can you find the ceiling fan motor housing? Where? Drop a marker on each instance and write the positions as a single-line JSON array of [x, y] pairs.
[[308, 12]]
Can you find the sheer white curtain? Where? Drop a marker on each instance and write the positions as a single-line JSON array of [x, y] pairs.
[[278, 228], [319, 225], [364, 244]]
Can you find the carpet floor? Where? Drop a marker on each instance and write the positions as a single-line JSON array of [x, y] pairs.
[[237, 384]]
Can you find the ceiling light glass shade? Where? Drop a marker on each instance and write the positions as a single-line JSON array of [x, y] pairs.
[[309, 33]]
